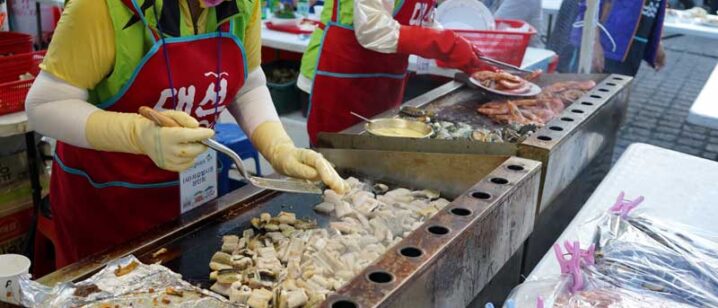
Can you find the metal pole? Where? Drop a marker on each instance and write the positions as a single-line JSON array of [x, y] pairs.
[[38, 14], [33, 168], [30, 150], [590, 21]]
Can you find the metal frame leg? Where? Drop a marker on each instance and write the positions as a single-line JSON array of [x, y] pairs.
[[549, 28], [31, 152], [38, 16]]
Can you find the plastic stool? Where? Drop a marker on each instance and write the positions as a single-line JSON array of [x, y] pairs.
[[231, 136]]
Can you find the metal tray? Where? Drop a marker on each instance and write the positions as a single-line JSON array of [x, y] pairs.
[[575, 150], [565, 146], [492, 212]]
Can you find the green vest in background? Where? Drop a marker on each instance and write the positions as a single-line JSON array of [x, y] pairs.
[[346, 18]]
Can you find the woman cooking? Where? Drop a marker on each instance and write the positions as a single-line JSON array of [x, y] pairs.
[[115, 172], [357, 60]]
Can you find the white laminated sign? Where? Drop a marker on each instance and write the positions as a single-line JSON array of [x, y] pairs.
[[198, 184]]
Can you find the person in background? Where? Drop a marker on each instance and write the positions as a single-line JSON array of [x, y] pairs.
[[357, 61], [526, 10], [629, 32], [687, 4], [115, 173]]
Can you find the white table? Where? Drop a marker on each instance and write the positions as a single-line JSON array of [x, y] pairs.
[[670, 25], [673, 26], [13, 124], [677, 187], [535, 58], [551, 6], [704, 111]]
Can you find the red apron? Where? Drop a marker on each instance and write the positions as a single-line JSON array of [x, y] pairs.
[[350, 77], [100, 199]]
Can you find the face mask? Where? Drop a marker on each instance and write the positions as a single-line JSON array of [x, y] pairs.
[[209, 3]]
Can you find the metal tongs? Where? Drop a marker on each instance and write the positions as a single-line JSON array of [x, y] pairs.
[[504, 65], [286, 184]]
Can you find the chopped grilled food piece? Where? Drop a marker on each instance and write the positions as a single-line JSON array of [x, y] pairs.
[[286, 218], [291, 262], [230, 243], [259, 298], [124, 270], [159, 252], [174, 292]]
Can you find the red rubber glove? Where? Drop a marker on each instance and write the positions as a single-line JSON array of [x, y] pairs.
[[443, 45]]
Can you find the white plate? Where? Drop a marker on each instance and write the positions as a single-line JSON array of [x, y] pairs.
[[533, 91], [465, 15]]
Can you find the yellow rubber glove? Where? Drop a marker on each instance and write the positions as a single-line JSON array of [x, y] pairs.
[[272, 141], [171, 148]]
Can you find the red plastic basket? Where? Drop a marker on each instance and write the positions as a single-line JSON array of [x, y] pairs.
[[292, 28], [502, 45], [12, 90], [13, 43]]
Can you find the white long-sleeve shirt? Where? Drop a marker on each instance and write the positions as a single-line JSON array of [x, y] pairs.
[[60, 110]]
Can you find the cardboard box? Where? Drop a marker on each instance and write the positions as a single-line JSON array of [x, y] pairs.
[[15, 223], [13, 168], [15, 187], [16, 207]]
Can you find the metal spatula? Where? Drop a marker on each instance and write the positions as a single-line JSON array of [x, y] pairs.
[[288, 185]]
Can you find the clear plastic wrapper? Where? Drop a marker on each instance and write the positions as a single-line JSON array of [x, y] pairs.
[[679, 238], [122, 283], [640, 261], [614, 298], [597, 293], [640, 255], [528, 293]]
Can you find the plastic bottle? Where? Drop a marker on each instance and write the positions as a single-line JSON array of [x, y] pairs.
[[303, 8], [270, 6], [265, 9]]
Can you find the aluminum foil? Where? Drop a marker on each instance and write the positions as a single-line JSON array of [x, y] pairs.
[[144, 285]]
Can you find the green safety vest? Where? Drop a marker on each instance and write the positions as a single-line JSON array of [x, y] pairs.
[[133, 40], [346, 18]]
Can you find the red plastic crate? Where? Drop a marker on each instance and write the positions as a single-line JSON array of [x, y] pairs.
[[505, 46], [13, 43], [12, 90]]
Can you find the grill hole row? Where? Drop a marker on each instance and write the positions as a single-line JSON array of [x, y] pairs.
[[579, 111], [383, 277], [569, 119], [344, 304]]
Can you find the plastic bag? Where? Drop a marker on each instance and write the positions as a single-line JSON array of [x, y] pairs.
[[614, 298], [598, 293], [640, 254], [639, 262]]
